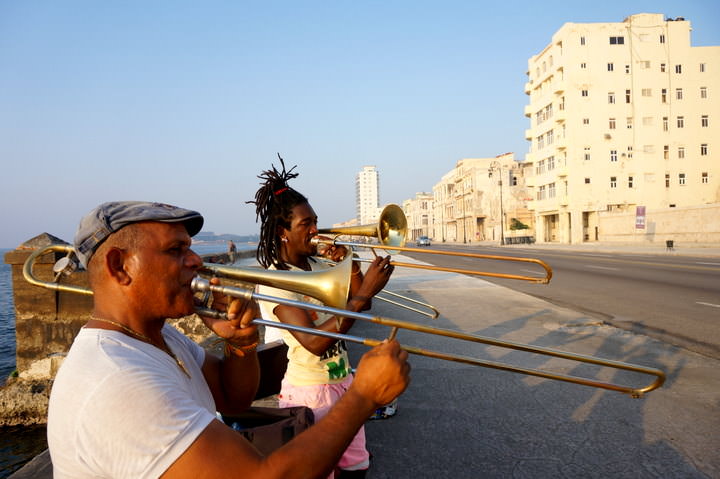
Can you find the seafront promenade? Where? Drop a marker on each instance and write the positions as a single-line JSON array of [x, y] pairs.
[[467, 422], [463, 421]]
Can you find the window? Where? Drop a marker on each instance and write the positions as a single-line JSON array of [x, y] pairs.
[[681, 178], [667, 180], [645, 64], [662, 38], [666, 152], [703, 149], [613, 155], [678, 68], [611, 97], [611, 67], [627, 96], [704, 121], [583, 66], [551, 190], [630, 152], [586, 121], [681, 122], [613, 182], [681, 152], [646, 92], [582, 40], [662, 68], [611, 123], [587, 181], [663, 95], [703, 92], [629, 122], [630, 181], [702, 68], [678, 94], [704, 177], [617, 40], [587, 153], [627, 69], [665, 123], [584, 92]]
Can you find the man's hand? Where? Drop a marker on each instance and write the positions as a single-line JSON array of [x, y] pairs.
[[238, 328], [376, 276], [334, 253], [383, 373]]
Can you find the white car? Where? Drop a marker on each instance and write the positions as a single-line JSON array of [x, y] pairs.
[[423, 241]]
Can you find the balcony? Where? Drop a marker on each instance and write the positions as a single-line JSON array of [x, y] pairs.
[[528, 134], [528, 110], [528, 88], [561, 171], [563, 200]]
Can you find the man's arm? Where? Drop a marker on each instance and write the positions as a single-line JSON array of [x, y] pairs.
[[233, 380], [382, 375]]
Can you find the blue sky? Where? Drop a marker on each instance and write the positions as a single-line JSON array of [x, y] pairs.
[[187, 102]]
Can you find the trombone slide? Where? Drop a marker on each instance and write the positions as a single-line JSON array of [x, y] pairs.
[[202, 285]]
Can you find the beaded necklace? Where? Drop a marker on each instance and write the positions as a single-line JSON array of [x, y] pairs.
[[146, 339]]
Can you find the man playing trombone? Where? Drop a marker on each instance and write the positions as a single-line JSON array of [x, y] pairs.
[[318, 371], [135, 398]]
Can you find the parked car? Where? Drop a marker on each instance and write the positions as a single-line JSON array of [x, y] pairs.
[[423, 241]]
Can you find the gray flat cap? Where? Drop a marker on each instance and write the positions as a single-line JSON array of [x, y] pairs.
[[110, 217]]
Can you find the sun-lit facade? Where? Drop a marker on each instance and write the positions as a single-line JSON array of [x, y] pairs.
[[621, 115], [367, 195]]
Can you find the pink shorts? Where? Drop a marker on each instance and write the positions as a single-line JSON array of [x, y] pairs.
[[320, 398]]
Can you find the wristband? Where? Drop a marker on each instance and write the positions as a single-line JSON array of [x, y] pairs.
[[239, 351]]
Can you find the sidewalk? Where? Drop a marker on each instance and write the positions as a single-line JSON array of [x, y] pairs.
[[463, 421], [689, 249]]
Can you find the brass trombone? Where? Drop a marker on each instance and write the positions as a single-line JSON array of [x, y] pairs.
[[324, 289], [391, 231], [200, 284]]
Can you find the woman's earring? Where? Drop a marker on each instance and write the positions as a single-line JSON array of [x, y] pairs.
[[284, 239]]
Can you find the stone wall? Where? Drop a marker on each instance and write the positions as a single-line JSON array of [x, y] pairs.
[[691, 224]]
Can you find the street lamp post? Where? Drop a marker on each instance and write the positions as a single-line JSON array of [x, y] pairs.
[[495, 165]]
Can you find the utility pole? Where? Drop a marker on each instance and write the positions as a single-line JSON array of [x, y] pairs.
[[495, 165]]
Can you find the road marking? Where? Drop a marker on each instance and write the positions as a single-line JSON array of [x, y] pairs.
[[711, 264], [602, 267], [708, 304]]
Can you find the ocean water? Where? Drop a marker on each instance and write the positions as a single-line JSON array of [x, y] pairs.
[[7, 320], [20, 444]]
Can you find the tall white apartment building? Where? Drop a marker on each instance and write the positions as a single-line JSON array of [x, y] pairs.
[[367, 195], [621, 115]]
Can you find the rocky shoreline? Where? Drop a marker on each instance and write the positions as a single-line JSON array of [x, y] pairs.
[[24, 398]]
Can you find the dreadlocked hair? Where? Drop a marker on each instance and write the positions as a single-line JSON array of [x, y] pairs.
[[274, 202]]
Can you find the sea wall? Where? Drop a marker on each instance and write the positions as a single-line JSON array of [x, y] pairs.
[[690, 224], [47, 321]]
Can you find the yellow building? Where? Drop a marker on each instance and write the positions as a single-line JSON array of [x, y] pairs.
[[482, 199], [622, 115], [419, 214]]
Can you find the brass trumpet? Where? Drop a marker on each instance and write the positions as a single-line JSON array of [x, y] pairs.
[[324, 290], [391, 231]]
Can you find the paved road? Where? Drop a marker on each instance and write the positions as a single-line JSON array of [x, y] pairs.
[[670, 297], [460, 421]]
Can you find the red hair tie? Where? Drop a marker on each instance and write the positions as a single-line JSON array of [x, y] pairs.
[[280, 191]]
